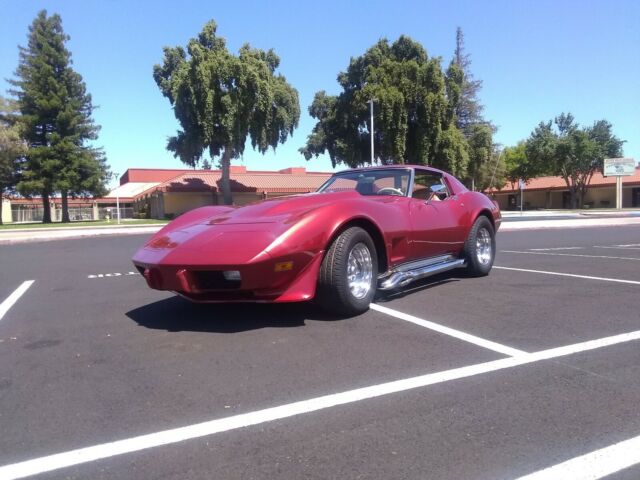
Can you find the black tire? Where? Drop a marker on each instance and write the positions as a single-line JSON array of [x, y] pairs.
[[334, 293], [482, 234]]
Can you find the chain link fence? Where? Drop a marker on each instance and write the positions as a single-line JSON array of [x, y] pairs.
[[22, 214]]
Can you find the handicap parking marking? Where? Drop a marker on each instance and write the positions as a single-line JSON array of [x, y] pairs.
[[570, 255], [14, 297], [573, 275], [211, 427], [597, 464], [114, 274], [481, 342]]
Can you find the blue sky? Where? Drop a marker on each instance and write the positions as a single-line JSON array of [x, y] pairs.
[[536, 59]]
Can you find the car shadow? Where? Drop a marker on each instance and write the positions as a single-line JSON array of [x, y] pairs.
[[175, 314], [419, 286]]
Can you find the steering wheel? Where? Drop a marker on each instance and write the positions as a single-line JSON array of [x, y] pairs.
[[390, 191]]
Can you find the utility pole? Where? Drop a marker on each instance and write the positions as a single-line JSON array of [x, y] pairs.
[[117, 199], [370, 102]]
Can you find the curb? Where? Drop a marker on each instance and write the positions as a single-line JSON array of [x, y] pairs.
[[57, 234]]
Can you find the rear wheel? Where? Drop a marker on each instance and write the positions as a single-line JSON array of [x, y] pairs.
[[480, 247], [349, 273]]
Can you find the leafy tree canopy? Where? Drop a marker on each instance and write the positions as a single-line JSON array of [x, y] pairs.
[[220, 99], [415, 105], [518, 166], [565, 149]]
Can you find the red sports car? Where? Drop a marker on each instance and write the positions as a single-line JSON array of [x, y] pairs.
[[368, 229]]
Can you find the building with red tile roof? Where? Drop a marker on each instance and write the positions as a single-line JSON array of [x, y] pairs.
[[194, 188], [166, 193], [553, 193]]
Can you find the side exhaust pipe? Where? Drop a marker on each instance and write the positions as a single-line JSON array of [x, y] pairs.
[[402, 278]]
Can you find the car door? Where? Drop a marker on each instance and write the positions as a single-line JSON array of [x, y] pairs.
[[435, 218]]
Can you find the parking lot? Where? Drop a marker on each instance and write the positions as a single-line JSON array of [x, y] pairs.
[[535, 366]]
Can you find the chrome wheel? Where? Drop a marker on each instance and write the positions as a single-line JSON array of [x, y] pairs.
[[484, 246], [359, 270]]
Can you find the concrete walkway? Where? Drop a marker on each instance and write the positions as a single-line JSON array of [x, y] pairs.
[[60, 233]]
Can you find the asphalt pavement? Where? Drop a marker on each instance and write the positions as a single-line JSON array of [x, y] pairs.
[[155, 387]]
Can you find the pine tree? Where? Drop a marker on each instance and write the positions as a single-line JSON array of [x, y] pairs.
[[469, 118], [56, 119], [469, 109], [12, 149]]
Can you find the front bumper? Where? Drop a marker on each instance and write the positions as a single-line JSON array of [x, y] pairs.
[[265, 280]]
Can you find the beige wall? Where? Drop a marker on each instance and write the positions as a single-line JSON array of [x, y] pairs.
[[594, 198], [604, 197], [178, 203], [6, 211]]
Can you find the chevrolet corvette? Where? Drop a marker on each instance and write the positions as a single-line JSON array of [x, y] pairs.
[[364, 230]]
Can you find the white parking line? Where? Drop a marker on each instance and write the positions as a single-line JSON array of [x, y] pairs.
[[572, 255], [481, 342], [586, 277], [166, 437], [594, 465], [14, 297], [115, 274], [556, 248], [618, 247]]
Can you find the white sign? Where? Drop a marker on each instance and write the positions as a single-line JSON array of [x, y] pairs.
[[522, 184], [617, 167]]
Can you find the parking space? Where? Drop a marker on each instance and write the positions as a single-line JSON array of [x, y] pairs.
[[97, 357]]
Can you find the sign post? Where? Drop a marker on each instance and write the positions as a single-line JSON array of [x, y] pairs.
[[619, 167], [521, 183]]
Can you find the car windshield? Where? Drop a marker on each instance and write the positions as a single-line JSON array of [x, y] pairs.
[[370, 182]]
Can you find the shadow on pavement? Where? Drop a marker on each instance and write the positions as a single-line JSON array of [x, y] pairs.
[[176, 314], [420, 285]]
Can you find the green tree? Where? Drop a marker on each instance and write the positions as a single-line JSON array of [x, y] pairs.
[[56, 119], [414, 110], [469, 119], [572, 152], [518, 166], [220, 99], [469, 109], [12, 149], [481, 150]]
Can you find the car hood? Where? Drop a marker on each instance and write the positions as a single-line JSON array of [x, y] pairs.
[[235, 235], [279, 210]]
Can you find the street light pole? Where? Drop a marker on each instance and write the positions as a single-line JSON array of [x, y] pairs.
[[370, 102], [117, 199]]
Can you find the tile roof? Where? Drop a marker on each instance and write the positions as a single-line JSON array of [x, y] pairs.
[[270, 182], [558, 183]]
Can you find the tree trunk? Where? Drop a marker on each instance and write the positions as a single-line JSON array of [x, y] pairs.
[[225, 180], [65, 206], [46, 214], [574, 198]]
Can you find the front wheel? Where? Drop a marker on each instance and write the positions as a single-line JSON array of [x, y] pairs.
[[480, 247], [349, 273]]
